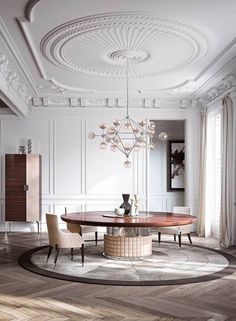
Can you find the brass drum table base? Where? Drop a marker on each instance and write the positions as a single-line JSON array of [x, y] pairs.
[[127, 243]]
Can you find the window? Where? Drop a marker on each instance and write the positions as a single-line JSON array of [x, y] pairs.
[[213, 179]]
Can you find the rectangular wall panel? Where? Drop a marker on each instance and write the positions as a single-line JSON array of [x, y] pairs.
[[67, 157]]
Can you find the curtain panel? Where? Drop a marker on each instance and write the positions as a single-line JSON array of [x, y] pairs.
[[226, 213]]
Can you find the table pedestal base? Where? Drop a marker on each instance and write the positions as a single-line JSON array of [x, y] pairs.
[[130, 247]]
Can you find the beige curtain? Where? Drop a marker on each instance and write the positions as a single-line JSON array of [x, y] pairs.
[[226, 214], [202, 182]]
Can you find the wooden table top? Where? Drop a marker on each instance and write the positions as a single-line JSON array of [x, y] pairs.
[[145, 219]]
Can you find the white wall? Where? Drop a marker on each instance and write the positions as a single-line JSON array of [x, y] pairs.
[[76, 173]]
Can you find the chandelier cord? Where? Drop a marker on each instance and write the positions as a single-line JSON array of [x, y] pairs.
[[127, 87]]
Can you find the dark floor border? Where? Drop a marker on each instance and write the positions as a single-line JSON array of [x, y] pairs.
[[25, 262]]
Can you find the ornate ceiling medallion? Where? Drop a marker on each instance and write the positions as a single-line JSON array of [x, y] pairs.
[[134, 55], [95, 45]]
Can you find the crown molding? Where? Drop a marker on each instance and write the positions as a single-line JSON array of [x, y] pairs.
[[222, 88], [9, 45], [95, 113], [14, 93], [110, 102]]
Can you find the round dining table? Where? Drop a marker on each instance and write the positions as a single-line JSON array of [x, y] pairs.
[[128, 237]]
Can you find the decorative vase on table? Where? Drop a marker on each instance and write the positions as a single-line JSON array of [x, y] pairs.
[[126, 205]]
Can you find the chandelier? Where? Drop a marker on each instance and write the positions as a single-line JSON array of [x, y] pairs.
[[127, 135]]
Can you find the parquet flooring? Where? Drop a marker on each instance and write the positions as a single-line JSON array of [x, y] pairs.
[[27, 296]]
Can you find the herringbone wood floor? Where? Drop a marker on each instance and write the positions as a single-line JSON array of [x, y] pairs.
[[27, 296]]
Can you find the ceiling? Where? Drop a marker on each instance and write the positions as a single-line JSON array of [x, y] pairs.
[[73, 53]]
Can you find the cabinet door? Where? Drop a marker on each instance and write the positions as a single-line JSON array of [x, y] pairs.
[[33, 182], [15, 187]]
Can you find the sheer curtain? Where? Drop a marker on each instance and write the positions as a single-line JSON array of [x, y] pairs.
[[226, 215], [203, 159]]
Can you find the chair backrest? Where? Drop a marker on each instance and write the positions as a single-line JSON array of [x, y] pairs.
[[53, 228], [182, 210]]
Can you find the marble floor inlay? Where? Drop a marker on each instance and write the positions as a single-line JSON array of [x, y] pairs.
[[169, 264]]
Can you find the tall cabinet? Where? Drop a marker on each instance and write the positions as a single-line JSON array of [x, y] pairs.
[[23, 188]]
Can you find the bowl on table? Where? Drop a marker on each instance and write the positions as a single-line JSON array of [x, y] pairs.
[[120, 211]]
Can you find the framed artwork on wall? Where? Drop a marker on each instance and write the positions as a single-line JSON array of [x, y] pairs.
[[176, 165]]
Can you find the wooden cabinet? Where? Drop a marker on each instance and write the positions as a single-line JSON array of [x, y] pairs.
[[22, 187]]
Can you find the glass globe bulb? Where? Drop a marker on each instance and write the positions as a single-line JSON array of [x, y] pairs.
[[163, 136], [113, 148], [151, 146], [103, 145], [152, 124], [91, 135], [137, 147], [103, 125], [142, 123], [127, 164], [127, 125], [143, 145], [111, 131], [116, 123]]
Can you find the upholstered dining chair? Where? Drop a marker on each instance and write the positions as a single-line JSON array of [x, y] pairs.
[[62, 239], [82, 229], [177, 230]]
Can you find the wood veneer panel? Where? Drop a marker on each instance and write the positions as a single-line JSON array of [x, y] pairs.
[[15, 165], [146, 219]]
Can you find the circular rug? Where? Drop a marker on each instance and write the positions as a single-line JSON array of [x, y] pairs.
[[168, 265]]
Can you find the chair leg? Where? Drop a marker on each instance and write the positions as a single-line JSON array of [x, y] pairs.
[[159, 237], [72, 253], [49, 253], [56, 256], [179, 236], [174, 237], [82, 254], [189, 237], [96, 237]]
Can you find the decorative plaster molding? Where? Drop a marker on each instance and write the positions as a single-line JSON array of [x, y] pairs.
[[118, 35], [110, 102], [29, 9], [226, 85], [12, 79]]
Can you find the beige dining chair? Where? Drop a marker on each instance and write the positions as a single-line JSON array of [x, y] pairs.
[[82, 229], [62, 239], [177, 230]]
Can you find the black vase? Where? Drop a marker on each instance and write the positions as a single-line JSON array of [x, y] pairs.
[[126, 205]]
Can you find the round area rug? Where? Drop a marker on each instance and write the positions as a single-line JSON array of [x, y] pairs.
[[168, 265]]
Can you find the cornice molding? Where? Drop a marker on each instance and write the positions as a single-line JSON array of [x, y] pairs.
[[9, 45], [12, 79], [225, 86], [94, 113], [111, 102]]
